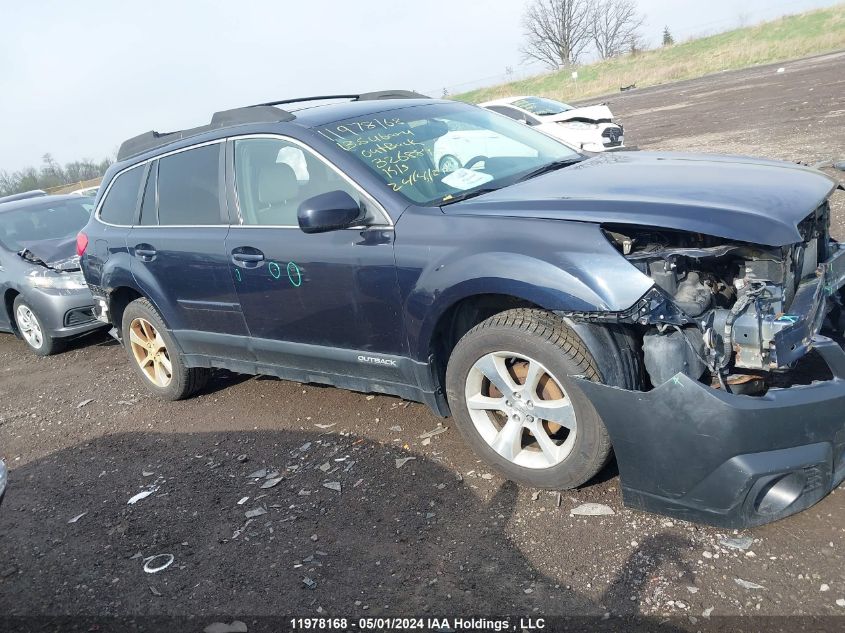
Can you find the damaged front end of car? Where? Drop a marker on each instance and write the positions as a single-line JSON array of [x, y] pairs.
[[741, 416]]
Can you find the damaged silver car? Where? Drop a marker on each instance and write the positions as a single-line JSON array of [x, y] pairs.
[[45, 298]]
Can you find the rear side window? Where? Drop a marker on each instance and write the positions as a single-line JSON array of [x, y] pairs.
[[122, 198], [189, 187]]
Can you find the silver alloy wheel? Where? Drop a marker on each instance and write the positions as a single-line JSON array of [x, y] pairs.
[[29, 326], [150, 352], [521, 410]]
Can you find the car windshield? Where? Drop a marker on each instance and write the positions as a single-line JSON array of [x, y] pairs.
[[434, 154], [47, 221], [541, 106]]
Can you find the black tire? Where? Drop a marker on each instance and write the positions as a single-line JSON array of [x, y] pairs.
[[184, 381], [547, 339], [49, 344]]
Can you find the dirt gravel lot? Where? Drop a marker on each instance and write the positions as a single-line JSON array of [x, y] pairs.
[[437, 534]]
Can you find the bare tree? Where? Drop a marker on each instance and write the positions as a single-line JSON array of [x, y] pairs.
[[614, 26], [557, 31]]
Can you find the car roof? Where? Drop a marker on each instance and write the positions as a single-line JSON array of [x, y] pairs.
[[40, 201], [152, 143], [503, 101]]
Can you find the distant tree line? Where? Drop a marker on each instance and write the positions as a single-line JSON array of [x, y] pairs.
[[50, 174], [558, 33]]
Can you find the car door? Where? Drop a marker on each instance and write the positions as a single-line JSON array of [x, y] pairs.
[[325, 302], [178, 256]]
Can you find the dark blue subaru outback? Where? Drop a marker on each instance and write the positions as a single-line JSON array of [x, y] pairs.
[[666, 307]]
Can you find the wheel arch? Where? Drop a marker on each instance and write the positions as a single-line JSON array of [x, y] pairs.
[[9, 297], [120, 297], [615, 348]]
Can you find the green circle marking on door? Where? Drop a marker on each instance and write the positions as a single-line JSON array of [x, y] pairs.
[[294, 275], [275, 270], [237, 274]]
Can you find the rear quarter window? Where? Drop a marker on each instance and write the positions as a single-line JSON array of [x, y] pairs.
[[121, 200], [189, 187]]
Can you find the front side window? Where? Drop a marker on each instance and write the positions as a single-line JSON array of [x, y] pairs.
[[189, 187], [434, 154], [274, 176], [122, 198]]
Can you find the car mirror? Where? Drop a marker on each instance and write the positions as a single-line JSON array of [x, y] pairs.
[[329, 212]]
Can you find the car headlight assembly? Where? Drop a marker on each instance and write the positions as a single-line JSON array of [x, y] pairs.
[[51, 280], [579, 125]]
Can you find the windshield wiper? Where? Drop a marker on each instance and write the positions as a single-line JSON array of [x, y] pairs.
[[553, 166], [468, 194]]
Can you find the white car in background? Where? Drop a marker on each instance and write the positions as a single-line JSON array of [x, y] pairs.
[[465, 145], [589, 129]]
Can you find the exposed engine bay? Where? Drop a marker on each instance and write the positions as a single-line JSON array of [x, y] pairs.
[[720, 306]]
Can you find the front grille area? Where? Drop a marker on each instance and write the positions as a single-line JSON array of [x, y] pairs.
[[614, 134], [79, 316]]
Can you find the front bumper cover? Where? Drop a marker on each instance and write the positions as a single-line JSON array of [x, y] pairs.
[[699, 454]]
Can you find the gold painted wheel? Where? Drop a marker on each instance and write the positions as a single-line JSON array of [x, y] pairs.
[[150, 352]]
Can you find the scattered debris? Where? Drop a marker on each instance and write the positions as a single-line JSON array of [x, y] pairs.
[[77, 517], [325, 426], [692, 589], [840, 602], [155, 592], [781, 70], [357, 483], [271, 482], [741, 543], [326, 467], [305, 447], [396, 429], [706, 613], [243, 458], [487, 476], [824, 587], [315, 538], [243, 500], [401, 461], [150, 569], [141, 495], [745, 584], [221, 627], [85, 403], [332, 485], [310, 584], [591, 510], [558, 498], [257, 512], [258, 474], [370, 397], [433, 432], [147, 473]]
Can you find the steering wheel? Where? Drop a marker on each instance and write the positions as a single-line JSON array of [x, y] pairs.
[[472, 161]]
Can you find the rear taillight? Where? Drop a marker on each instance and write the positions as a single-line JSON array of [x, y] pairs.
[[81, 244]]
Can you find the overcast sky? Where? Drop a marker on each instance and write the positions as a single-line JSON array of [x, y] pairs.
[[77, 78]]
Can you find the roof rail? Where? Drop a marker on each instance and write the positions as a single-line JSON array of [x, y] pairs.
[[259, 113], [364, 96], [237, 116]]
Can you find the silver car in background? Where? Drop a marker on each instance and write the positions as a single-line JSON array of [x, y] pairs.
[[45, 300]]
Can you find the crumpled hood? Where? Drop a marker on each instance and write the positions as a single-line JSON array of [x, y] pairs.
[[59, 254], [594, 113], [744, 199]]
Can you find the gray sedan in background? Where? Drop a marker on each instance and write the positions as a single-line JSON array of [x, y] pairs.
[[45, 300]]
